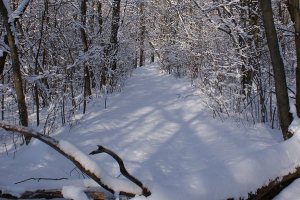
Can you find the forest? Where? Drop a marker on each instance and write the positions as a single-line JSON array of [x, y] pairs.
[[213, 85]]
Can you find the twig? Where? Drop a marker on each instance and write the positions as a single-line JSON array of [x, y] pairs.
[[74, 169], [38, 179]]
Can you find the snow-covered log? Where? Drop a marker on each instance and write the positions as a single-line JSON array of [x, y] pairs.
[[82, 162], [50, 194], [276, 186]]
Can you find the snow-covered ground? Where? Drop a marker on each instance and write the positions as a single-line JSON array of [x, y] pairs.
[[167, 138]]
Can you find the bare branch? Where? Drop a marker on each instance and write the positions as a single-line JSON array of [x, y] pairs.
[[123, 170], [38, 179]]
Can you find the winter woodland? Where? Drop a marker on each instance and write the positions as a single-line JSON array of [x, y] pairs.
[[199, 98]]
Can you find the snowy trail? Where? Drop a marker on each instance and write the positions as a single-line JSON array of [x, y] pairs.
[[160, 127]]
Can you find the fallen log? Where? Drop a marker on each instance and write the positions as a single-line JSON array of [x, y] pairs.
[[275, 186], [271, 190], [80, 161], [52, 194]]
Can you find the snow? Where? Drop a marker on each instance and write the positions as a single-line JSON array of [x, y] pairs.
[[81, 157], [73, 192], [167, 138], [291, 192]]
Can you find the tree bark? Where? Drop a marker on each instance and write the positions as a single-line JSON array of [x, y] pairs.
[[278, 68]]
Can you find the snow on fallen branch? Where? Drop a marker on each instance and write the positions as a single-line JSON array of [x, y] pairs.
[[83, 163]]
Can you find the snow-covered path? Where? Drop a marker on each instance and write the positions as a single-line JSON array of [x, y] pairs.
[[160, 127]]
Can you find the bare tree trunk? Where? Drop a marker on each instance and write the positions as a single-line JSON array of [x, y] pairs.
[[3, 57], [278, 68], [2, 101], [294, 10], [2, 65], [18, 83], [142, 33], [114, 33], [291, 6], [87, 80], [152, 56], [36, 90], [297, 41], [100, 19]]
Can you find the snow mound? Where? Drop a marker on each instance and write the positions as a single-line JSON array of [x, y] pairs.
[[74, 192]]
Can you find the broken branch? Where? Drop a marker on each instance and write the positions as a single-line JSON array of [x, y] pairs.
[[123, 170]]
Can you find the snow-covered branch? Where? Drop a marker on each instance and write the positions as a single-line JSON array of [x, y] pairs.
[[123, 170]]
